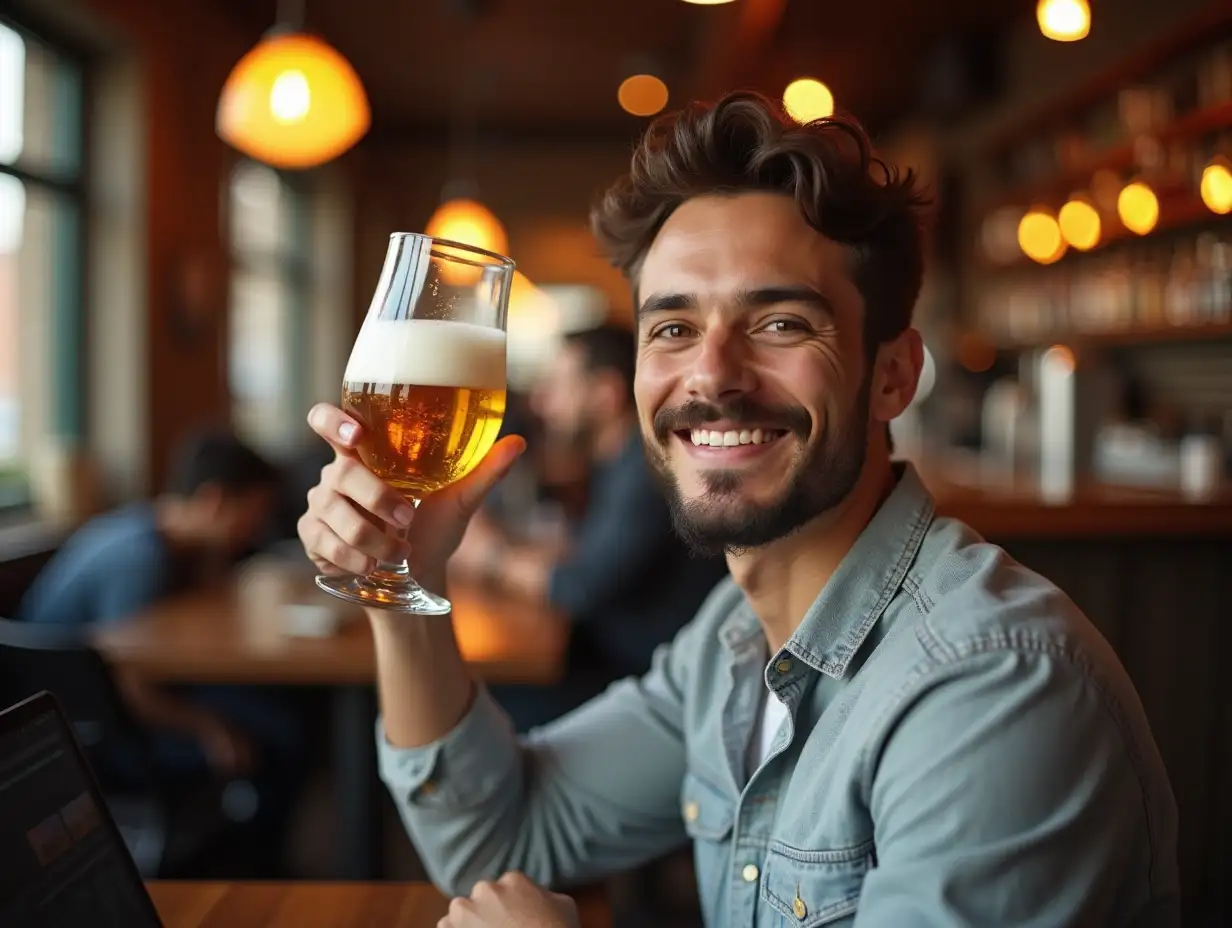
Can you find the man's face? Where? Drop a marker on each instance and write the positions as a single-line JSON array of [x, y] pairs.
[[752, 385], [235, 518], [562, 397]]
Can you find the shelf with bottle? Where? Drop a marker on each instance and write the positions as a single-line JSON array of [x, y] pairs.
[[1147, 291], [1147, 153], [1167, 149]]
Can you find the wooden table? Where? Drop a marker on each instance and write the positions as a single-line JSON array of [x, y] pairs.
[[236, 633], [318, 905]]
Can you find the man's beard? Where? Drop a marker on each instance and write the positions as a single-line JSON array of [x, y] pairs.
[[820, 479]]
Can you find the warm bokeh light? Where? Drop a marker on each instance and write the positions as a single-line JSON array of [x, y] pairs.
[[1079, 222], [1064, 20], [1216, 186], [293, 102], [470, 223], [806, 99], [975, 352], [642, 95], [1039, 236], [1138, 207]]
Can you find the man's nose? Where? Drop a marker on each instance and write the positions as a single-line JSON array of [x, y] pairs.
[[721, 368]]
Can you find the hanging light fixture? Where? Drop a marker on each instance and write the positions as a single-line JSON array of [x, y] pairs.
[[466, 220], [1064, 20], [293, 101]]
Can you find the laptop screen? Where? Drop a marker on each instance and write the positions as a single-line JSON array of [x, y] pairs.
[[62, 860]]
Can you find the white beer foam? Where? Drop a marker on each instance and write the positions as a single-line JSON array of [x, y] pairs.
[[428, 353]]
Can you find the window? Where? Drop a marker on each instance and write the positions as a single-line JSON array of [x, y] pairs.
[[271, 292], [41, 201]]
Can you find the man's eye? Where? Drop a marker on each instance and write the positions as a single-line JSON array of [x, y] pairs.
[[671, 330], [784, 326]]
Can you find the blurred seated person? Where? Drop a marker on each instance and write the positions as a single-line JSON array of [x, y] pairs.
[[621, 575], [219, 498]]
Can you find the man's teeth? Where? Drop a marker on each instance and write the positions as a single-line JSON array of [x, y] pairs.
[[733, 437]]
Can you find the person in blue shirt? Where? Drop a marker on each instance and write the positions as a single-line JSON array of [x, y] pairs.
[[218, 498]]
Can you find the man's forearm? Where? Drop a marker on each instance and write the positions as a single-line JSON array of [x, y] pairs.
[[425, 686]]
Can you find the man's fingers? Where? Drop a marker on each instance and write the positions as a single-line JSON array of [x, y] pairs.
[[349, 477], [335, 426], [323, 544], [349, 524], [471, 489]]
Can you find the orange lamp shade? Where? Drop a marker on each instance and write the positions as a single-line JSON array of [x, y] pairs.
[[293, 102], [469, 222]]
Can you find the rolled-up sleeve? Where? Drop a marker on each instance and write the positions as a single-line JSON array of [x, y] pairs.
[[1001, 793], [593, 793]]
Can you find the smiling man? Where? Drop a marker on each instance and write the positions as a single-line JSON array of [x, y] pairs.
[[880, 719]]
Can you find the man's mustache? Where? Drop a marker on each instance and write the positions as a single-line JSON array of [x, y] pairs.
[[697, 414]]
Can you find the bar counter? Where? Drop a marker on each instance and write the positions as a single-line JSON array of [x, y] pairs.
[[1002, 509]]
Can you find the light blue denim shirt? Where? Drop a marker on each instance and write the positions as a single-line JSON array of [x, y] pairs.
[[962, 748]]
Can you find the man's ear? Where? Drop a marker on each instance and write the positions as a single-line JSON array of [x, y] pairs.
[[896, 375]]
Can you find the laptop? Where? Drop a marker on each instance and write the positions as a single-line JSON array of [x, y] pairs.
[[63, 862]]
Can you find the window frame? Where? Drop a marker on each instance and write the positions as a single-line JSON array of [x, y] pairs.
[[68, 319], [292, 267]]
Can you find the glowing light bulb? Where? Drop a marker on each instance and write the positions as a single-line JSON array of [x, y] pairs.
[[1039, 237], [806, 99], [1138, 207], [290, 97], [1216, 187], [1064, 20], [1080, 225], [642, 95]]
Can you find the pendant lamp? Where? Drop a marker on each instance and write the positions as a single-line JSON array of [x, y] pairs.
[[293, 101]]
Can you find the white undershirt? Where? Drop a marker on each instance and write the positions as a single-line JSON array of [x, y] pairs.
[[765, 729]]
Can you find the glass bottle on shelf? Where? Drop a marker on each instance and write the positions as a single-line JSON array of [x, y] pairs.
[[1148, 287], [1179, 290], [1219, 281]]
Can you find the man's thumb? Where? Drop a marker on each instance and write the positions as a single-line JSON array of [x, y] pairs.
[[471, 489]]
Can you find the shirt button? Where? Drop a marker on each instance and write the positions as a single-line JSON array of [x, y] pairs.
[[799, 908], [783, 666], [427, 787], [691, 811], [750, 873]]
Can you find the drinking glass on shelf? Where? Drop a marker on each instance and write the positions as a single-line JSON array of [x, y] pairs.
[[426, 382]]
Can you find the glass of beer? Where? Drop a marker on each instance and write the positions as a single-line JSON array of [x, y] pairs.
[[426, 381]]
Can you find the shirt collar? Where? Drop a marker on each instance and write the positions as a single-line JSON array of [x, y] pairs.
[[868, 577]]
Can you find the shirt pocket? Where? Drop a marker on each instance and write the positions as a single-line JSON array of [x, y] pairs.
[[810, 888], [708, 815]]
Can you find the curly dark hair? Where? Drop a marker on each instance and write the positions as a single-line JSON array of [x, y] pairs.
[[745, 143]]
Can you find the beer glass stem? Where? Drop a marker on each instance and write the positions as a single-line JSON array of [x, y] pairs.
[[394, 573], [389, 586]]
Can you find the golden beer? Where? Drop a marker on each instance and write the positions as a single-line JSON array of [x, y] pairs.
[[430, 395], [419, 438]]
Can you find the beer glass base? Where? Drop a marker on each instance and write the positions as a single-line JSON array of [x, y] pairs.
[[404, 597]]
